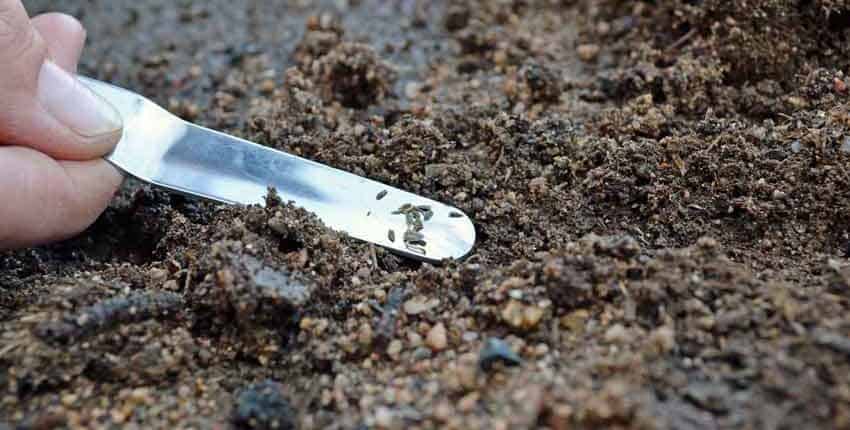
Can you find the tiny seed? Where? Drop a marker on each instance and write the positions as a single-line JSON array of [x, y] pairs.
[[415, 248], [391, 236], [381, 195], [414, 219], [424, 208], [428, 215], [454, 214], [412, 236]]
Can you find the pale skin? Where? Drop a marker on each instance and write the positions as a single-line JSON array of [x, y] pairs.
[[53, 132]]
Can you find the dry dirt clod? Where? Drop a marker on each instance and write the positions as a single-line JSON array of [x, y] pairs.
[[262, 406], [354, 75], [109, 314], [519, 315]]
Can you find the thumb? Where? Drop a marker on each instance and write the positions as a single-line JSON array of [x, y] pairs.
[[42, 105]]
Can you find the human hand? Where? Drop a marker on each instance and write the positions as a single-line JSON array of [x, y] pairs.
[[53, 132]]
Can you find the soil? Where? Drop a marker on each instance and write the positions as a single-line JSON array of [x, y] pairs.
[[661, 192]]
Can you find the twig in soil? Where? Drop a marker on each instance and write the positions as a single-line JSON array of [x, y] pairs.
[[188, 279], [682, 40], [501, 154], [385, 330], [8, 348], [109, 314]]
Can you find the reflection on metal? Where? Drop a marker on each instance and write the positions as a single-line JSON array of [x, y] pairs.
[[161, 149]]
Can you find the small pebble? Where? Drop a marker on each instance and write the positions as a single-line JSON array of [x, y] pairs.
[[411, 89], [419, 304], [360, 130], [421, 353], [796, 147], [839, 85], [662, 340], [467, 403], [587, 52], [616, 334], [537, 185], [415, 306], [414, 339], [437, 338], [394, 349], [469, 336], [158, 275], [494, 350], [365, 335], [383, 417]]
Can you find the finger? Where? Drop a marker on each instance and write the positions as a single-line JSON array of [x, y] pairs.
[[53, 200], [17, 37], [64, 36], [42, 105], [94, 184]]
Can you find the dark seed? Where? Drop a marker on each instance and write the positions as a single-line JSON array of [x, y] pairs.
[[381, 195], [455, 214], [391, 235], [416, 248], [414, 220], [412, 236]]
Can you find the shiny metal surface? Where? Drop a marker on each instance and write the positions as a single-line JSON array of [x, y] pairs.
[[159, 148]]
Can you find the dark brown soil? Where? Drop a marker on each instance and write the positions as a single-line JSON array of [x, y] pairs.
[[661, 192]]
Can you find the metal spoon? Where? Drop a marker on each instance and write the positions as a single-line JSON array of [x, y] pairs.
[[164, 150]]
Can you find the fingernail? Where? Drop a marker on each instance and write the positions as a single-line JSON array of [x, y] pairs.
[[74, 104]]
